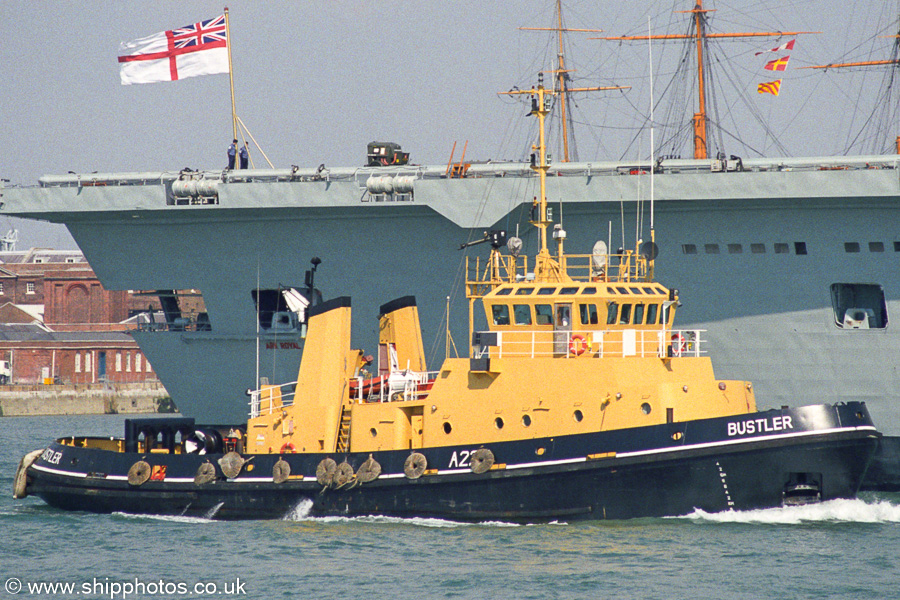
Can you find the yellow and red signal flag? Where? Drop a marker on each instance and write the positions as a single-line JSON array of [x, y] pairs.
[[769, 87], [779, 64]]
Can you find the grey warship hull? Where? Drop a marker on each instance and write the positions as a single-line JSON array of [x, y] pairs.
[[776, 256]]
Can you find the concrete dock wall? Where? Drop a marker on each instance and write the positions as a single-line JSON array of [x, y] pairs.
[[83, 399]]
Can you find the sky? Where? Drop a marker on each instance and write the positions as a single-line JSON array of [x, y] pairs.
[[316, 81]]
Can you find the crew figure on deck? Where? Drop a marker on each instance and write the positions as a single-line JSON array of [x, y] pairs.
[[245, 155], [232, 152]]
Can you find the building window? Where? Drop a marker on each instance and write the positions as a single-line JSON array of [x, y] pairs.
[[137, 362], [118, 362], [876, 246], [147, 368], [87, 362], [859, 306], [78, 362], [758, 248], [29, 287], [128, 362]]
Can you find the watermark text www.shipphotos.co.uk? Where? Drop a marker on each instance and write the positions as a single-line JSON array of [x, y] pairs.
[[120, 589]]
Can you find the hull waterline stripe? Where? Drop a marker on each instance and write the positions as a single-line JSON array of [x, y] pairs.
[[549, 463]]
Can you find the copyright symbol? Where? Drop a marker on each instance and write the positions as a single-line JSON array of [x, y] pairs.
[[13, 585]]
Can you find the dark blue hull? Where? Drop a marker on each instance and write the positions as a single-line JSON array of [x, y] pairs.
[[746, 462]]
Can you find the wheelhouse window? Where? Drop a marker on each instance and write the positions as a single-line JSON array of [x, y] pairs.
[[522, 314], [638, 314], [625, 314], [500, 314], [588, 314], [652, 310], [859, 306], [543, 314], [504, 291], [612, 311]]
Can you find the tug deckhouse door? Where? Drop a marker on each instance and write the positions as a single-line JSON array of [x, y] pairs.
[[562, 328]]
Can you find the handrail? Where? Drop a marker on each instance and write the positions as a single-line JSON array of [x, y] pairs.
[[607, 343]]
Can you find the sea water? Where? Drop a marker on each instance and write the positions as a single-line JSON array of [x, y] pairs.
[[840, 549]]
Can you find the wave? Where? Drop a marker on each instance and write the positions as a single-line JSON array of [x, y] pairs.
[[301, 512], [831, 511]]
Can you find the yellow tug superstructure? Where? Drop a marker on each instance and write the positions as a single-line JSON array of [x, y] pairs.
[[575, 344], [578, 401]]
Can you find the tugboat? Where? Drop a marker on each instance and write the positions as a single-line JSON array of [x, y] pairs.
[[578, 401]]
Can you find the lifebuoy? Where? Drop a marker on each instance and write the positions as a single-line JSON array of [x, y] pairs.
[[577, 345], [287, 447], [678, 344]]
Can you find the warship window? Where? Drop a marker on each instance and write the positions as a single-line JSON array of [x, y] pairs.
[[896, 249], [587, 290], [735, 249], [588, 314], [758, 248], [526, 420], [569, 290], [800, 248], [638, 314], [689, 249], [781, 248], [546, 291], [859, 306], [524, 291], [504, 292], [578, 416], [447, 427], [543, 314], [501, 314], [876, 246], [612, 311], [498, 423], [625, 315], [711, 248], [651, 313], [279, 309], [851, 247], [522, 314]]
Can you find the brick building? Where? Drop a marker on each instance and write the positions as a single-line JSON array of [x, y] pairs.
[[58, 324]]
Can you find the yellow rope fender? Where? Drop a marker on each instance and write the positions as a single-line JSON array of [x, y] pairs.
[[281, 471], [342, 475], [20, 487], [139, 473], [231, 464], [206, 473], [368, 471], [481, 460], [415, 465], [325, 471]]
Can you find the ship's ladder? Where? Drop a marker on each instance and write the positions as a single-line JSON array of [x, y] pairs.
[[343, 442]]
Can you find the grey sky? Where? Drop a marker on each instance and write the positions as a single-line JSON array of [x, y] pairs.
[[317, 81]]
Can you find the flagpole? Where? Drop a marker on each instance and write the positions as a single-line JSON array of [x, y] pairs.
[[231, 77]]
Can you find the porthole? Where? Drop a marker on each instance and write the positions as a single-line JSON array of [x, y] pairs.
[[645, 408], [447, 427], [374, 432], [498, 422], [526, 420], [578, 415]]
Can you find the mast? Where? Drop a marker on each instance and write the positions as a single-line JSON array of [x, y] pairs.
[[700, 37], [234, 119], [560, 73]]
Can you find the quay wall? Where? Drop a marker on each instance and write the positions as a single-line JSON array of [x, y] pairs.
[[83, 399]]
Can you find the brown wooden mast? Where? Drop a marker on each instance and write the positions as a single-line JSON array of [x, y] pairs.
[[700, 36], [561, 75]]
